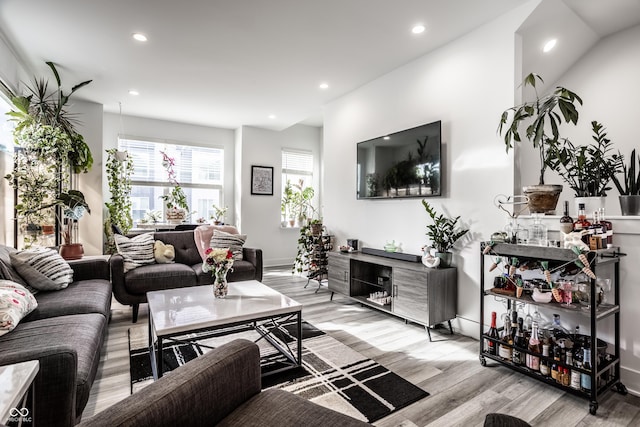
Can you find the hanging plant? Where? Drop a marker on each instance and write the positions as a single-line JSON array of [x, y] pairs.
[[119, 168]]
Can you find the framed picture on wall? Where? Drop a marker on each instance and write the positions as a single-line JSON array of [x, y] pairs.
[[262, 180]]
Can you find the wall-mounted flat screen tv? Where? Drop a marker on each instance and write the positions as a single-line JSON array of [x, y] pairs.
[[401, 164]]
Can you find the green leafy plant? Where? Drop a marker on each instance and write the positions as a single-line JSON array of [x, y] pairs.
[[587, 169], [119, 168], [546, 112], [219, 213], [73, 206], [445, 231], [631, 181]]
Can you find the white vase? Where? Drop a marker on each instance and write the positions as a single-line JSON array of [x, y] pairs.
[[591, 204]]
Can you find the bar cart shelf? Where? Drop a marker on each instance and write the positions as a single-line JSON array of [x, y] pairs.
[[605, 375]]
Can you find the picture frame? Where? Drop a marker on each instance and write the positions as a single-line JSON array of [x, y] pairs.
[[262, 180]]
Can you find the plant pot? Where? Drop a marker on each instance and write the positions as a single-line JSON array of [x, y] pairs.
[[591, 204], [316, 229], [445, 258], [630, 205], [542, 198], [71, 251]]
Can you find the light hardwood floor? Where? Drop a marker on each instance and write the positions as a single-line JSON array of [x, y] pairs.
[[461, 391]]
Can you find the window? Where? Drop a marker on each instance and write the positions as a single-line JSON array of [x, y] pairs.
[[6, 166], [199, 171], [297, 171]]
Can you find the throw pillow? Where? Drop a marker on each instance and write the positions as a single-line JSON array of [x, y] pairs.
[[42, 268], [202, 235], [234, 242], [15, 303], [163, 253], [7, 272], [136, 251]]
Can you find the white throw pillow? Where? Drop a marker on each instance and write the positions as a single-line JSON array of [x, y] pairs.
[[15, 303], [42, 268], [234, 242], [136, 251]]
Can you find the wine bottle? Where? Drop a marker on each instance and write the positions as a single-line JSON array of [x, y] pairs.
[[608, 228], [515, 352], [522, 341], [556, 360], [506, 343], [490, 344], [575, 374], [585, 378], [545, 368], [566, 222], [533, 361]]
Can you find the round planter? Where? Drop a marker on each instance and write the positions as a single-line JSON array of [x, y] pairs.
[[445, 258], [71, 251], [630, 205], [542, 198], [591, 204]]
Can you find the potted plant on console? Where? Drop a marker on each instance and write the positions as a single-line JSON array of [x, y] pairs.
[[73, 207], [630, 192], [587, 169], [547, 112], [444, 233]]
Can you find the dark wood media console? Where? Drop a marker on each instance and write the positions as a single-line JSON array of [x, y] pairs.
[[415, 293]]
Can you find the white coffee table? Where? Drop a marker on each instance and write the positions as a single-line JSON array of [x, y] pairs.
[[176, 312]]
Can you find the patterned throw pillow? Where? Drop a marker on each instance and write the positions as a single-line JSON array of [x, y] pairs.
[[234, 242], [15, 303], [42, 268], [136, 251]]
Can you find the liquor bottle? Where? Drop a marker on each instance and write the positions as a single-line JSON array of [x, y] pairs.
[[545, 367], [608, 227], [566, 377], [533, 361], [555, 353], [537, 231], [575, 374], [581, 223], [566, 222], [506, 343], [585, 379], [490, 344], [595, 233]]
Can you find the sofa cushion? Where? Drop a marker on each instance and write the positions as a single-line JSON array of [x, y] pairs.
[[136, 251], [7, 272], [87, 296], [163, 253], [234, 242], [276, 407], [203, 233], [82, 334], [42, 268], [15, 303], [159, 276]]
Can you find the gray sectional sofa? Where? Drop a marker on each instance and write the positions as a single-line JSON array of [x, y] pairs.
[[221, 388], [65, 333], [130, 288]]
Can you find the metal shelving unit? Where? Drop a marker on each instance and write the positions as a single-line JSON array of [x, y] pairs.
[[603, 376]]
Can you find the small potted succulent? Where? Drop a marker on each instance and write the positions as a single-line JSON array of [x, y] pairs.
[[629, 188]]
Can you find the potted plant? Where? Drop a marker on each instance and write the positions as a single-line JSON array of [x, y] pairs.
[[218, 214], [587, 169], [543, 114], [630, 192], [444, 233], [176, 200], [119, 169], [73, 207]]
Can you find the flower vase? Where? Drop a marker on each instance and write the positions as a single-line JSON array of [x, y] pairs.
[[220, 286]]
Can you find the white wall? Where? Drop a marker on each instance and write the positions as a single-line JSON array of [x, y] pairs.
[[606, 80], [260, 215], [466, 84]]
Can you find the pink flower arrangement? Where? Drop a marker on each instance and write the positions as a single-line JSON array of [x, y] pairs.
[[218, 262]]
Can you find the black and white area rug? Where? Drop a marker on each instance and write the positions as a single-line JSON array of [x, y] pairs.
[[333, 374]]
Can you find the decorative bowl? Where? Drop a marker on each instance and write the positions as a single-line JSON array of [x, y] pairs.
[[542, 297]]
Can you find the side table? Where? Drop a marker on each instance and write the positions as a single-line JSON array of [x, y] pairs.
[[16, 381]]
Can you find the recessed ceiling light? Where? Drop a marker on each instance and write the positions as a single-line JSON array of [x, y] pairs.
[[324, 86], [549, 45], [140, 37], [386, 138], [272, 116], [418, 29], [134, 92]]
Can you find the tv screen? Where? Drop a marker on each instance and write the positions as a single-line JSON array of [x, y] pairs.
[[401, 164]]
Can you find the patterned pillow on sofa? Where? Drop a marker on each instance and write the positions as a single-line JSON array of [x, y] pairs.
[[234, 242], [42, 268], [15, 303], [136, 251], [203, 234]]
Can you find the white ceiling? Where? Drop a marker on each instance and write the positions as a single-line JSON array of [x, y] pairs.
[[231, 63]]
